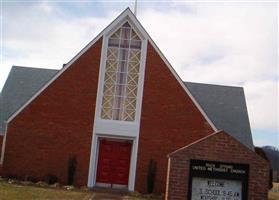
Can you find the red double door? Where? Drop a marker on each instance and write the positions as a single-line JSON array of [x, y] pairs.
[[114, 162]]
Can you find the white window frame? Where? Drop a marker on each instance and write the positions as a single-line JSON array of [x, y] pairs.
[[108, 37], [102, 73]]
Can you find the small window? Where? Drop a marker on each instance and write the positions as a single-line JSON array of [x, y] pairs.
[[121, 75]]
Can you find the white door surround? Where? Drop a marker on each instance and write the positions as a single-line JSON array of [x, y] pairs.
[[132, 171]]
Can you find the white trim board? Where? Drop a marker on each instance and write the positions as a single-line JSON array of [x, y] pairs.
[[183, 85], [94, 159], [107, 34]]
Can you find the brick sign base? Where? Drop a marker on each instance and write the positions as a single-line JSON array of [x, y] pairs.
[[217, 167]]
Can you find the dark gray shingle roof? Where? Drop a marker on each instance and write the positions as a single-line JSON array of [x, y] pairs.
[[224, 105], [20, 85], [226, 108]]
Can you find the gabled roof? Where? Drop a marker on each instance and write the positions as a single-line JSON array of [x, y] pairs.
[[217, 134], [226, 107], [124, 16], [21, 84]]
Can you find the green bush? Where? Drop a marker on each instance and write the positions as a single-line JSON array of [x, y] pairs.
[[50, 179], [72, 163], [31, 179], [151, 175]]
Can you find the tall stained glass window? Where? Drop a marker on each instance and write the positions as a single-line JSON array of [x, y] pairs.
[[121, 75]]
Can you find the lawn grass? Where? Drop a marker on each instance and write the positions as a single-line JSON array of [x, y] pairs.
[[23, 192], [14, 191], [274, 192]]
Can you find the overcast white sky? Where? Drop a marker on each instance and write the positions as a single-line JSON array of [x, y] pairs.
[[221, 43]]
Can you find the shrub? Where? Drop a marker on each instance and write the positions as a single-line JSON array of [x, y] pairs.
[[50, 179], [12, 176], [72, 163], [31, 179], [151, 175]]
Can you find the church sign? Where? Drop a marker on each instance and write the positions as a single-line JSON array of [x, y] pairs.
[[210, 180]]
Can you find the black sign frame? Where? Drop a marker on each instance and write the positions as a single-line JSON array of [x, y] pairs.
[[243, 176]]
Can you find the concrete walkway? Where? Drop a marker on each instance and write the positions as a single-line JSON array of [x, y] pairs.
[[101, 194], [109, 196]]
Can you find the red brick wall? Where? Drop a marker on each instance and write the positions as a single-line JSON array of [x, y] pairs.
[[1, 141], [58, 124], [223, 148], [169, 120]]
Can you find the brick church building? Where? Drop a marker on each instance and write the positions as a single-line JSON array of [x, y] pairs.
[[115, 106]]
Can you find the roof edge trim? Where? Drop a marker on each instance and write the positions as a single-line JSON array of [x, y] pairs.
[[195, 142], [126, 12], [213, 134], [182, 84], [35, 68]]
